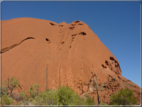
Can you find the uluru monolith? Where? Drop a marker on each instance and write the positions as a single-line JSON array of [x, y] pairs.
[[52, 54]]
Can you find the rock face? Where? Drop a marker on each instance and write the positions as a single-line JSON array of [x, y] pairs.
[[51, 54]]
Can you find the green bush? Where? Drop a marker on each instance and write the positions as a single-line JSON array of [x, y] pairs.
[[6, 100], [49, 97], [123, 97], [89, 101], [67, 96], [24, 95], [13, 83], [103, 103], [4, 88], [34, 91], [9, 85]]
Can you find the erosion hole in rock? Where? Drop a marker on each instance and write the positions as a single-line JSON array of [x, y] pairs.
[[77, 21], [103, 66], [71, 28], [111, 58], [52, 23], [61, 25], [62, 42], [47, 39], [82, 33], [106, 62], [73, 24], [74, 34], [80, 24]]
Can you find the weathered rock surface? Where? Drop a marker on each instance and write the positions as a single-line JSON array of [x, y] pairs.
[[47, 53]]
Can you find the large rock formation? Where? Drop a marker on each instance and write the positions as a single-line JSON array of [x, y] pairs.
[[51, 54]]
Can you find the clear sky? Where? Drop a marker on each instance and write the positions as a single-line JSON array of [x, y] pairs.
[[117, 24]]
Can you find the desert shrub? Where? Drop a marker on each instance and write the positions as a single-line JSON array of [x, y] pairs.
[[89, 101], [81, 101], [16, 96], [13, 83], [9, 85], [19, 103], [4, 88], [23, 95], [34, 91], [123, 97], [48, 97], [67, 96], [6, 100], [103, 103]]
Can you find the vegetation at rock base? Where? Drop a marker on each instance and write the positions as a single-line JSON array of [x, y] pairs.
[[123, 97], [62, 96], [34, 90]]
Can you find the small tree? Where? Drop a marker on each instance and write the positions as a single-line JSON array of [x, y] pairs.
[[13, 83], [95, 81], [9, 85], [123, 97]]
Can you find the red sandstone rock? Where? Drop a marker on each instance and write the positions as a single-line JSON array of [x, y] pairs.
[[35, 51]]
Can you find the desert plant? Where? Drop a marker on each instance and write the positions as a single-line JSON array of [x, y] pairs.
[[23, 95], [103, 103], [13, 83], [34, 91], [4, 88], [67, 96], [19, 103], [49, 97], [6, 100], [89, 101], [123, 97], [9, 85]]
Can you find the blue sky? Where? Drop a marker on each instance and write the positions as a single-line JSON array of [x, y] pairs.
[[117, 24]]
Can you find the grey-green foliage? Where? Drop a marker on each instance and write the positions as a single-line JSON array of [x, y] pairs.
[[6, 100], [67, 96], [24, 95], [123, 97], [34, 91], [4, 88], [103, 103], [48, 97], [9, 85], [13, 83], [89, 101]]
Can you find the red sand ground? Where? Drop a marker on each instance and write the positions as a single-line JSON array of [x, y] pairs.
[[30, 47]]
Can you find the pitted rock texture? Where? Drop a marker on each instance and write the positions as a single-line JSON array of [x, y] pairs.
[[47, 53]]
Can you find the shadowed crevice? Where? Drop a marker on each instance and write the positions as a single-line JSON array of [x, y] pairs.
[[10, 47]]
